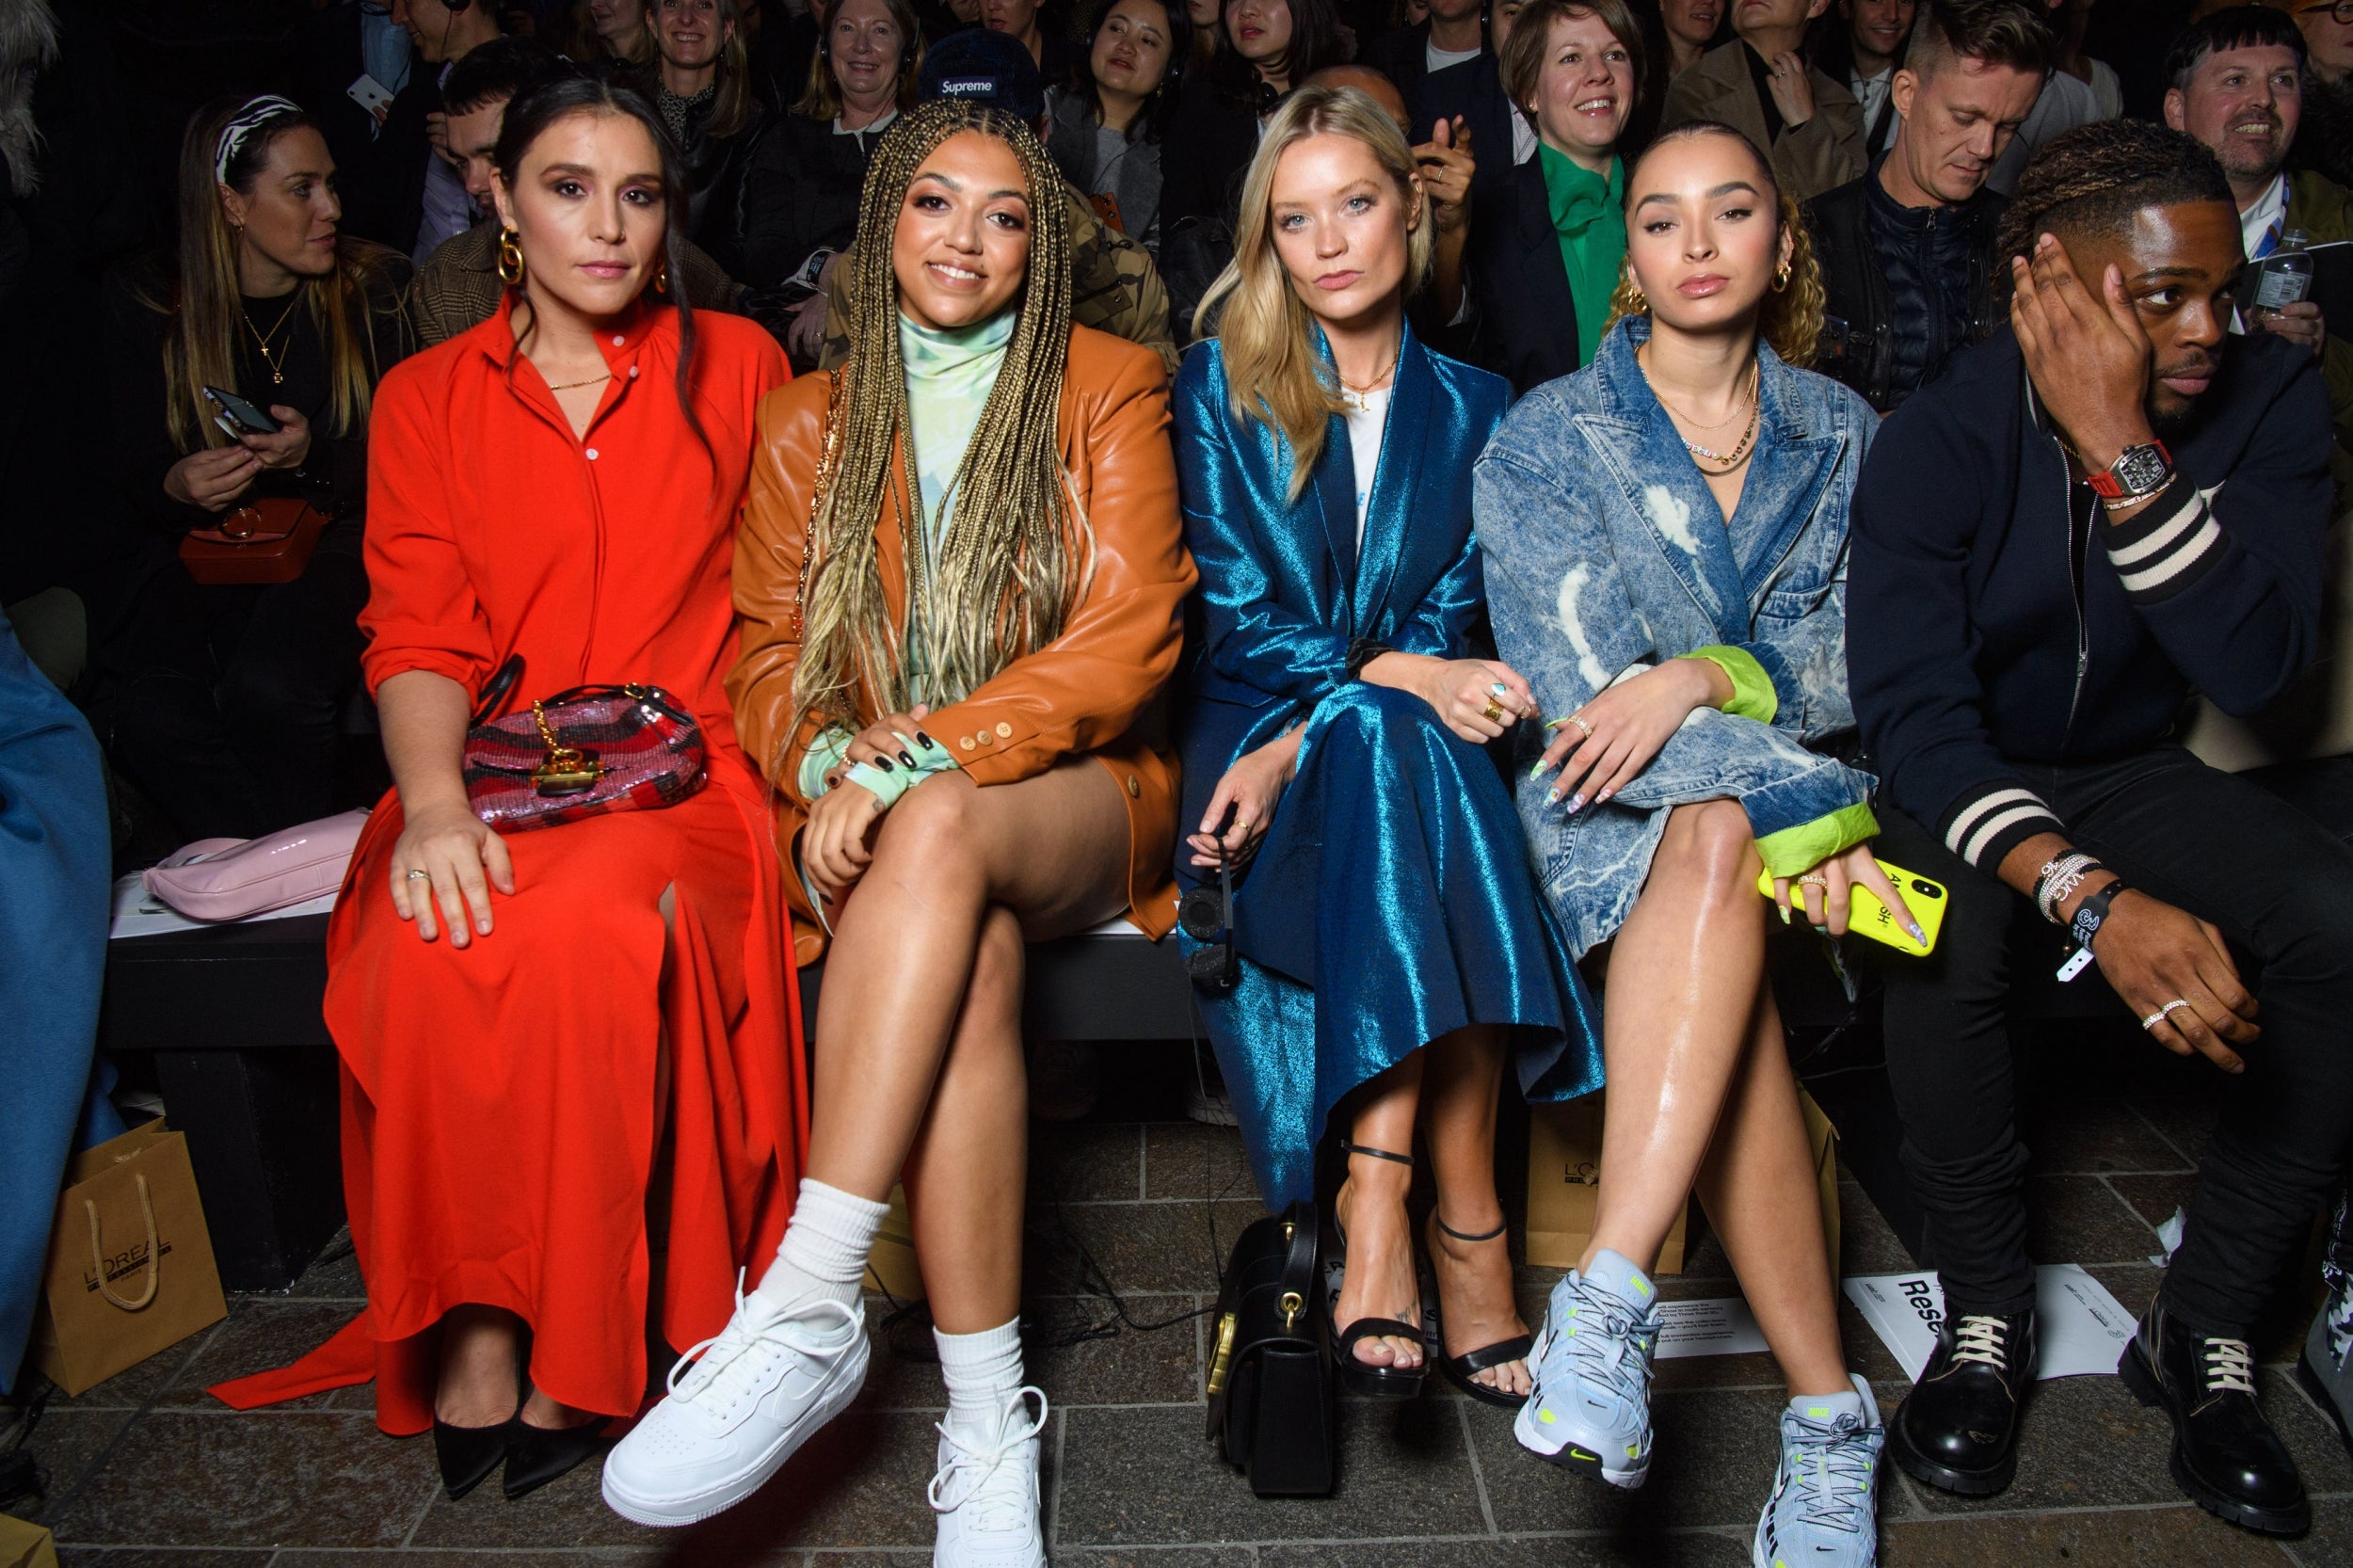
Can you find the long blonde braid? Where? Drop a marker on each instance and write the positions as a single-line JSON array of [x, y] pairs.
[[1019, 552]]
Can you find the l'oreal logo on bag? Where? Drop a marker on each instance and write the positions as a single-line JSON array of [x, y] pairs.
[[124, 1264], [1585, 1173]]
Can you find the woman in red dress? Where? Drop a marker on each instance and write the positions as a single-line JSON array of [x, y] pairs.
[[525, 1020]]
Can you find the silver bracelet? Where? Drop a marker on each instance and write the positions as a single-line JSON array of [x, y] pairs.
[[2057, 879]]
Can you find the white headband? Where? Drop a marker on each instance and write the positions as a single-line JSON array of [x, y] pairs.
[[256, 113]]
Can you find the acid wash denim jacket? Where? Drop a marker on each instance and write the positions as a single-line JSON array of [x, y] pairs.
[[1606, 551]]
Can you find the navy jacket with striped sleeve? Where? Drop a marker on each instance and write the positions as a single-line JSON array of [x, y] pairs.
[[1982, 631]]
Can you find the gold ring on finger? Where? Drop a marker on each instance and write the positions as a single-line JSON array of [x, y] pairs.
[[415, 877], [1493, 710], [1815, 882], [1578, 720]]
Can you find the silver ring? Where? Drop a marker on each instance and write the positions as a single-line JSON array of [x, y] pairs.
[[417, 876], [2161, 1013]]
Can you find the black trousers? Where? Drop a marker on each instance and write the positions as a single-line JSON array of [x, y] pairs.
[[2279, 888], [225, 700]]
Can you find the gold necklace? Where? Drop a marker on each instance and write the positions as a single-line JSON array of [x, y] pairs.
[[1731, 460], [1374, 385], [1740, 410], [276, 363], [567, 386]]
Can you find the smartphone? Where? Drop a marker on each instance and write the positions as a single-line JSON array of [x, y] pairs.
[[369, 93], [237, 417], [1868, 917]]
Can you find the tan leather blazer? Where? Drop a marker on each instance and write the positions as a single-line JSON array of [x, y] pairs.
[[1095, 690]]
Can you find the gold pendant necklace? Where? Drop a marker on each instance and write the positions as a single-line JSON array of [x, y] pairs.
[[276, 361]]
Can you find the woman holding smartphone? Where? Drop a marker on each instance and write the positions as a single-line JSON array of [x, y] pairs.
[[961, 580], [546, 1034], [1665, 540], [1392, 952], [221, 701]]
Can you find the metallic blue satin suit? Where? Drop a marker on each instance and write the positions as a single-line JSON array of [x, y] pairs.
[[1390, 903]]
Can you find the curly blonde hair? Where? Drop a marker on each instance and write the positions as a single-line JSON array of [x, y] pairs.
[[1790, 318]]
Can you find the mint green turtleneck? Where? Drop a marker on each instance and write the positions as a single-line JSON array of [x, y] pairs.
[[949, 374], [1589, 215]]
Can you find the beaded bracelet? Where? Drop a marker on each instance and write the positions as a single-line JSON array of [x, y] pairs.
[[2058, 878]]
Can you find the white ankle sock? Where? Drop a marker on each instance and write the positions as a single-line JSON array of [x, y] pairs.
[[984, 1373], [825, 1247]]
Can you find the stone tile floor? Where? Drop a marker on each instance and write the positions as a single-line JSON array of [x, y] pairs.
[[146, 1472]]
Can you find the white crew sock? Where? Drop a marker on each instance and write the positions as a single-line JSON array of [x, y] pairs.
[[825, 1247], [984, 1373]]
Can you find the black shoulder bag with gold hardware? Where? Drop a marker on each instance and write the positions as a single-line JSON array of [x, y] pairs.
[[1270, 1390]]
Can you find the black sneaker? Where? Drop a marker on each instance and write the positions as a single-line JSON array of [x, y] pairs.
[[1958, 1429], [2225, 1458]]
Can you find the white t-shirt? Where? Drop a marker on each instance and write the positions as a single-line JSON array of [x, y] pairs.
[[1368, 416], [1437, 60]]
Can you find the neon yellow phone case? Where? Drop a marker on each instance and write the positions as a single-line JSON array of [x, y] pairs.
[[1868, 917]]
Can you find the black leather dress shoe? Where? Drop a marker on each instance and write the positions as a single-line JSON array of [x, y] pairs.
[[1958, 1429], [466, 1455], [539, 1454], [2225, 1455]]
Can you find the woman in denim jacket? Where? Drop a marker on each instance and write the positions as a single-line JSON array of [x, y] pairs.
[[1676, 589]]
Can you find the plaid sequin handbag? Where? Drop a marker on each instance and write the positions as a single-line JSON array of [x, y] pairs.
[[582, 752]]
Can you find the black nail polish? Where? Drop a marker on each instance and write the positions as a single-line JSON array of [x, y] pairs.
[[883, 764], [907, 761], [925, 741]]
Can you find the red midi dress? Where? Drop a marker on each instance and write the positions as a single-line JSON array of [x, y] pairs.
[[499, 1116]]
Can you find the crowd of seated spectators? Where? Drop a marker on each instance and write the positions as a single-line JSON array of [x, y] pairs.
[[1164, 460]]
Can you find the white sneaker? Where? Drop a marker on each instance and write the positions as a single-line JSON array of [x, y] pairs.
[[985, 1492], [738, 1407]]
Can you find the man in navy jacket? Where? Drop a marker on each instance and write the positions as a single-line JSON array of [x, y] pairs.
[[2111, 503]]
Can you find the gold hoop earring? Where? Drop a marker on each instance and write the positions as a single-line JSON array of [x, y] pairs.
[[1637, 302], [510, 258], [1781, 279]]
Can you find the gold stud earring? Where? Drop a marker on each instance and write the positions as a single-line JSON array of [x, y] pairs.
[[662, 279], [510, 258]]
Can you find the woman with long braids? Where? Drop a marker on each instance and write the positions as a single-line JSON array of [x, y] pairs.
[[1666, 547], [961, 576], [527, 1020], [1392, 953], [221, 700]]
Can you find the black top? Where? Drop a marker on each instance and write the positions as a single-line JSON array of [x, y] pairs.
[[1212, 133], [801, 191], [1761, 77], [1905, 287], [1977, 636], [336, 472], [1525, 330]]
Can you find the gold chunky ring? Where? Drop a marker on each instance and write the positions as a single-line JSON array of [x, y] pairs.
[[1815, 881], [1493, 712], [1578, 720]]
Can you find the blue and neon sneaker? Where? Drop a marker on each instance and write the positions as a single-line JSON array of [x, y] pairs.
[[1590, 1410], [1824, 1509]]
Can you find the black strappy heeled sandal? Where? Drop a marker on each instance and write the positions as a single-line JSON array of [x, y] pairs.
[[1460, 1369], [1360, 1377]]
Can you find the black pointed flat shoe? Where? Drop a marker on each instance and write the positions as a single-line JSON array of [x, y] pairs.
[[540, 1455], [466, 1455]]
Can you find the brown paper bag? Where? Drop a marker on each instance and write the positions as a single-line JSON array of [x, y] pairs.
[[24, 1545], [130, 1269], [1564, 1181]]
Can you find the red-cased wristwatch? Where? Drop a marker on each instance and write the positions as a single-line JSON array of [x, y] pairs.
[[2138, 473]]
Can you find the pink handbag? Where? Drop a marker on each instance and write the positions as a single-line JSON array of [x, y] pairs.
[[232, 879]]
